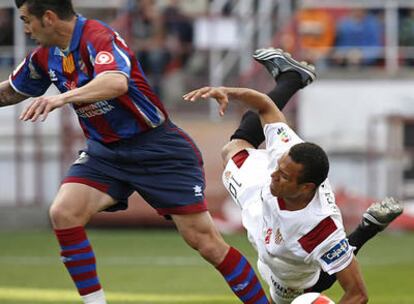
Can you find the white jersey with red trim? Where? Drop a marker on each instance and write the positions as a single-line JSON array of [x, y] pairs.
[[294, 245]]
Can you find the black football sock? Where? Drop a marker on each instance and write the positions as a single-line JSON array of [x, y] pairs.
[[287, 85], [250, 128], [361, 235]]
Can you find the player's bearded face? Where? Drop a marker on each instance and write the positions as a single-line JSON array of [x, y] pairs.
[[284, 178], [34, 27]]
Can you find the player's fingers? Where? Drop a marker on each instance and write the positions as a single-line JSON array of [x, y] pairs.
[[39, 110], [201, 93], [29, 110], [46, 111], [223, 103], [193, 96], [188, 96]]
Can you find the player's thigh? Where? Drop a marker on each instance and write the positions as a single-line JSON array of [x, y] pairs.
[[76, 203], [199, 232]]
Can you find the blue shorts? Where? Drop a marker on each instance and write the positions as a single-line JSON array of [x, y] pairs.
[[163, 165]]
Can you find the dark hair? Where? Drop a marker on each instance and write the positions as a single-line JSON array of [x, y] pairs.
[[314, 161], [62, 8]]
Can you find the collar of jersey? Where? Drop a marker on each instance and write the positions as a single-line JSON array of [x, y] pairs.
[[76, 37]]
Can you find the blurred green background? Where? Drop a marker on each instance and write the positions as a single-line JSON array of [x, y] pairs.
[[156, 266]]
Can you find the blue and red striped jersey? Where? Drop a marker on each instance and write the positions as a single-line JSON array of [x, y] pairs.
[[95, 49]]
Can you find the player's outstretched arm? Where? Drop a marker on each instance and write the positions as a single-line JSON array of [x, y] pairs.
[[104, 87], [350, 279], [255, 100], [8, 96]]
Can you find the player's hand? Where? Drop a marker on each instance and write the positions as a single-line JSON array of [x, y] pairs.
[[219, 94], [41, 106]]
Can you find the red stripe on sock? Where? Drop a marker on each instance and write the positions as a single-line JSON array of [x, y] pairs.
[[84, 276], [71, 236], [80, 263], [246, 290], [230, 262], [88, 290], [76, 251], [256, 298], [242, 277]]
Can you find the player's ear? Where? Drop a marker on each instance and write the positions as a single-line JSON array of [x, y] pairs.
[[308, 187], [49, 18]]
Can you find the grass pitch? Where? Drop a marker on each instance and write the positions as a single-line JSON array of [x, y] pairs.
[[156, 266]]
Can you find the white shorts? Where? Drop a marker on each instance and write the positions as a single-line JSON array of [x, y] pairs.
[[279, 293]]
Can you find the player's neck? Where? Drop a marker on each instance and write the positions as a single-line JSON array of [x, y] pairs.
[[300, 202], [64, 32]]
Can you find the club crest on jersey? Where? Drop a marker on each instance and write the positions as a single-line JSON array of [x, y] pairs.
[[283, 134], [68, 64], [278, 237], [104, 57], [336, 252], [70, 85]]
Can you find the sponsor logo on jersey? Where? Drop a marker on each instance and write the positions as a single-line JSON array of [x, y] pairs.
[[336, 252], [104, 57], [283, 134], [285, 292], [94, 109], [68, 64]]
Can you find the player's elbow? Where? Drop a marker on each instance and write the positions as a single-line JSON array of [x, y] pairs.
[[120, 85], [359, 296], [362, 298]]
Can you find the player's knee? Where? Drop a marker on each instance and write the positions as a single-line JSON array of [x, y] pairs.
[[363, 297], [228, 151], [225, 152], [233, 147], [214, 252], [58, 214], [63, 217], [210, 246]]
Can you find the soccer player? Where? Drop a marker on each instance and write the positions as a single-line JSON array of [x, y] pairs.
[[132, 145], [287, 205]]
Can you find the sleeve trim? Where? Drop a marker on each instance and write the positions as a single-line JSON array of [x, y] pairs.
[[113, 71], [17, 90]]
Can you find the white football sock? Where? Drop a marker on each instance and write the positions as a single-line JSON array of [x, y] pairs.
[[97, 297]]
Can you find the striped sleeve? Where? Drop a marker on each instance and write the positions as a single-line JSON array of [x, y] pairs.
[[107, 50], [30, 78], [327, 245]]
